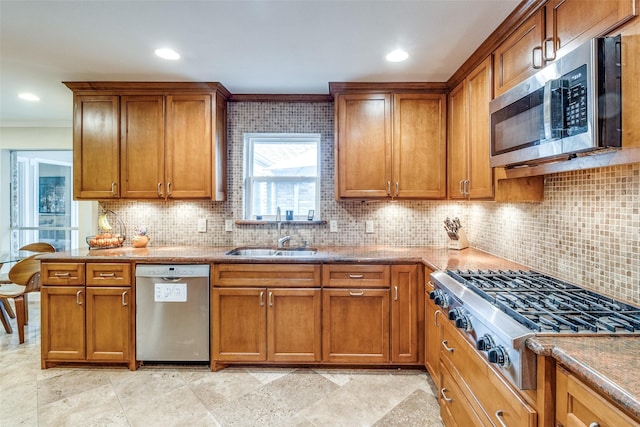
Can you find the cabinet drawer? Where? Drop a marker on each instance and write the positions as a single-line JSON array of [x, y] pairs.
[[62, 273], [109, 274], [454, 407], [263, 275], [356, 276], [577, 404], [478, 380]]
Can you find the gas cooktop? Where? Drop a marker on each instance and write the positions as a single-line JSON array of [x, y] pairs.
[[546, 304]]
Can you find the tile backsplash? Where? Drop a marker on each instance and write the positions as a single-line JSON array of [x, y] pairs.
[[587, 229]]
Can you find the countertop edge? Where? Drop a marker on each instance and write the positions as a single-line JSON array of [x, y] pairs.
[[586, 373]]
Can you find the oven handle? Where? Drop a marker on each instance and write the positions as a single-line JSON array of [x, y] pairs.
[[444, 344]]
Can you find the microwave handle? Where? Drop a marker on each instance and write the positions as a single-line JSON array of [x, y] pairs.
[[546, 103], [553, 109]]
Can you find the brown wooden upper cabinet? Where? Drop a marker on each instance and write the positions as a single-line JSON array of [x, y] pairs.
[[553, 30], [572, 22], [162, 140], [520, 55], [390, 145], [470, 175]]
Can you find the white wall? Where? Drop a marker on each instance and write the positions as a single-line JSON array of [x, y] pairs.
[[41, 138]]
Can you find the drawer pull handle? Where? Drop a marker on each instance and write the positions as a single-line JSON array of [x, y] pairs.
[[499, 414], [356, 276], [594, 424], [261, 298], [356, 293], [444, 396], [270, 299], [107, 274], [435, 317], [159, 189], [446, 347], [113, 189], [124, 302], [78, 301], [67, 274], [395, 288]]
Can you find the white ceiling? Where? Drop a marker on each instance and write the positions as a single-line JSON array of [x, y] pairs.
[[263, 46]]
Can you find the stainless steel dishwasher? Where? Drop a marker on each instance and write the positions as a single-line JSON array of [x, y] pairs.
[[172, 313]]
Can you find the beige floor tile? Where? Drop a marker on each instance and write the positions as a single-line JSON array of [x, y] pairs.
[[95, 407], [219, 388], [340, 408], [300, 389], [257, 408], [418, 409], [69, 384]]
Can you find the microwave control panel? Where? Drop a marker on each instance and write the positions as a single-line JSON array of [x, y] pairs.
[[575, 102]]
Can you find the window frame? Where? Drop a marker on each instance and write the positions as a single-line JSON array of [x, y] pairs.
[[250, 140]]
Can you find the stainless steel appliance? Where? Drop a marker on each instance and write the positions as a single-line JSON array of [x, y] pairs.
[[499, 310], [172, 313], [570, 106]]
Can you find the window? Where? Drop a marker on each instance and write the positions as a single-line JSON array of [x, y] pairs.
[[42, 209], [281, 170]]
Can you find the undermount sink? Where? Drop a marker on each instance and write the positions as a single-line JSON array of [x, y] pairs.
[[270, 252]]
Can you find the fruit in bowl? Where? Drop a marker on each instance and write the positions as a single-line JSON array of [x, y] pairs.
[[105, 240]]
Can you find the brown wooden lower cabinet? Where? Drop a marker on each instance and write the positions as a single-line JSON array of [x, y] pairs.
[[355, 325], [63, 324], [578, 405], [490, 395], [266, 324], [83, 323], [455, 409], [433, 319]]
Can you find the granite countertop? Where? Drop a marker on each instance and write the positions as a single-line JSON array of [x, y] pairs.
[[436, 258], [607, 364]]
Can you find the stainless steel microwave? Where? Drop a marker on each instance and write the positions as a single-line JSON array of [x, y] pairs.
[[572, 105]]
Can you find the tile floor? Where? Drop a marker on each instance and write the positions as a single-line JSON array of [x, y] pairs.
[[194, 396]]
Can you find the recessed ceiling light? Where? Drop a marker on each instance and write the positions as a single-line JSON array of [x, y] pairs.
[[29, 97], [397, 55], [167, 53]]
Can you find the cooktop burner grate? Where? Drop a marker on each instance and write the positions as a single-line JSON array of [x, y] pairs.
[[545, 304]]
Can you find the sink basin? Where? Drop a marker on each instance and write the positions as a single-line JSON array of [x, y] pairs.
[[270, 252]]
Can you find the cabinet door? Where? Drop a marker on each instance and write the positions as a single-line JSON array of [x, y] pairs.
[[419, 146], [363, 147], [572, 22], [189, 146], [239, 324], [355, 325], [63, 325], [457, 144], [96, 147], [406, 313], [520, 55], [108, 316], [478, 95], [142, 147], [433, 338], [577, 405], [294, 325]]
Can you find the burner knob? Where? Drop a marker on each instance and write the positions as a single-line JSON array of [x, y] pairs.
[[499, 356], [464, 322], [440, 298], [455, 313], [485, 343]]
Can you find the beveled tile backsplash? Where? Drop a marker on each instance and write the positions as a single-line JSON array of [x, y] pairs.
[[587, 229]]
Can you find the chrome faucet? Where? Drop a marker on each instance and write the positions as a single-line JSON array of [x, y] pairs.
[[285, 239]]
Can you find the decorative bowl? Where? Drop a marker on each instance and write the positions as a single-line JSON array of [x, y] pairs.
[[105, 241]]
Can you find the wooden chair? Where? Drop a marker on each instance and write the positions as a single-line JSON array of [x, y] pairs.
[[24, 277]]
